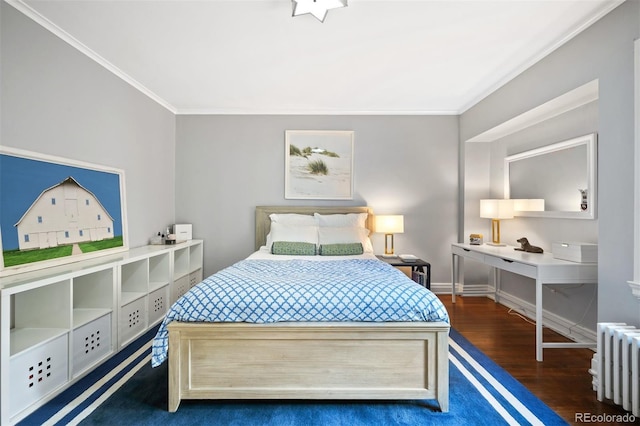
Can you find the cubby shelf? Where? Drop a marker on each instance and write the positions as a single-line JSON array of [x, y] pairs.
[[85, 316], [73, 317], [26, 338]]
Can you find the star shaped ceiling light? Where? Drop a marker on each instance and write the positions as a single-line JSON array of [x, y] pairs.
[[317, 8]]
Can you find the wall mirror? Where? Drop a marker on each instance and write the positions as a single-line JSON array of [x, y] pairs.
[[563, 174]]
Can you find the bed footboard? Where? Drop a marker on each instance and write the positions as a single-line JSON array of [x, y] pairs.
[[309, 360]]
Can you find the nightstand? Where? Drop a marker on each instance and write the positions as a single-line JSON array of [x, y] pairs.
[[420, 270]]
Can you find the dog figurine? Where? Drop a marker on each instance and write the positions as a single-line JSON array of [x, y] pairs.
[[525, 246]]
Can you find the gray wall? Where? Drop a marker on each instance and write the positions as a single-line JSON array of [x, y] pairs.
[[227, 165], [57, 101], [604, 52], [213, 170]]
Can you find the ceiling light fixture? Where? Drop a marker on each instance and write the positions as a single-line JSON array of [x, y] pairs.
[[317, 8]]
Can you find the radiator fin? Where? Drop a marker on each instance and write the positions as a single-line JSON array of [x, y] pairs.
[[618, 365]]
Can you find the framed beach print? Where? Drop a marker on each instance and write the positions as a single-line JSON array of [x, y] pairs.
[[319, 164], [55, 210]]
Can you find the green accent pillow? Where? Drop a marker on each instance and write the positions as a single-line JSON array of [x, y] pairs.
[[293, 248], [344, 249]]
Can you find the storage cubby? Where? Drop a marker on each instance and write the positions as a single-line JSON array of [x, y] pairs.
[[180, 262], [94, 299], [93, 296], [158, 304], [132, 321], [59, 323], [159, 274], [180, 287], [134, 281], [38, 371], [195, 257], [40, 314], [195, 277], [91, 343]]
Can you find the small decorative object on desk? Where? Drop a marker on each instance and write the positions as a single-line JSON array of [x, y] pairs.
[[475, 239], [156, 239], [525, 246]]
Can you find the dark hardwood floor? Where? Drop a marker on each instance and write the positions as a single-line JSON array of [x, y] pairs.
[[562, 380]]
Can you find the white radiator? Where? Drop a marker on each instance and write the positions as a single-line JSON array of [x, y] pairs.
[[618, 365]]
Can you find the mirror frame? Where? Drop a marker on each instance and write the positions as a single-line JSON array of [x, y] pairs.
[[590, 141]]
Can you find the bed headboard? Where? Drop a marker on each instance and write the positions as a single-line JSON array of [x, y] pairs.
[[263, 222]]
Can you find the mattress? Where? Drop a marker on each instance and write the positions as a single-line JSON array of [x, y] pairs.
[[265, 288]]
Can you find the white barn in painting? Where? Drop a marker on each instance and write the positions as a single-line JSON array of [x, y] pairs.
[[66, 213]]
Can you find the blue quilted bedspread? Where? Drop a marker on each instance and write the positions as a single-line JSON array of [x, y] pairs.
[[264, 291]]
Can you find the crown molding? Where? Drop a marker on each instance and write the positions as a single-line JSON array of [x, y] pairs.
[[242, 111], [28, 11], [604, 10]]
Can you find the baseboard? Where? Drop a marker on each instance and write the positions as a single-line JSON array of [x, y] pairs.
[[550, 320], [469, 289]]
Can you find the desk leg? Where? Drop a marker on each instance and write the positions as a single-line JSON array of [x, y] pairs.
[[538, 319], [454, 277], [457, 274]]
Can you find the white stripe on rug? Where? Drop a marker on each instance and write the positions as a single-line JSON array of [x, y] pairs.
[[466, 356], [90, 409], [515, 402], [91, 390], [483, 391]]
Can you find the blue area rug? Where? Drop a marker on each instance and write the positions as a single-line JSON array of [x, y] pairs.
[[127, 391]]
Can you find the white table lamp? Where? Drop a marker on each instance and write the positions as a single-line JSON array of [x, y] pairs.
[[496, 210], [389, 225]]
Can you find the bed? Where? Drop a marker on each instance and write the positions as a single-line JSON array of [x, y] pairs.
[[297, 359]]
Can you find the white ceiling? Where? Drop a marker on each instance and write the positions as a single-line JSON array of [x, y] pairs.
[[373, 57]]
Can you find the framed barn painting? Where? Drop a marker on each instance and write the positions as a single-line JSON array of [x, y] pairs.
[[319, 164], [55, 210]]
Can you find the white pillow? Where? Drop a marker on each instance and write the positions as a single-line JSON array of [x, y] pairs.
[[357, 220], [345, 235], [292, 233], [293, 219]]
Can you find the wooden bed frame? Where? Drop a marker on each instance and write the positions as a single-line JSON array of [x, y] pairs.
[[308, 360]]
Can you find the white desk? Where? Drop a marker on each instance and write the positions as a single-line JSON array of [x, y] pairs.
[[544, 268]]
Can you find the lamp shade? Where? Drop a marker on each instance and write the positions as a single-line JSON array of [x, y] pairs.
[[496, 209], [389, 224]]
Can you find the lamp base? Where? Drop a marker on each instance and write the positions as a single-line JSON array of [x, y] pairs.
[[495, 234], [390, 256]]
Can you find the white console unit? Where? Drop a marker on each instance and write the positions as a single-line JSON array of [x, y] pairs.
[[58, 323]]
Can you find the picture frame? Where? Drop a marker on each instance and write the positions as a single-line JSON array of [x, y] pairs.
[[319, 164], [55, 210]]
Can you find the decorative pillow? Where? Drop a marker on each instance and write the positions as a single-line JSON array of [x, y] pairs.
[[293, 248], [347, 220], [291, 233], [341, 249], [345, 236], [293, 219]]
